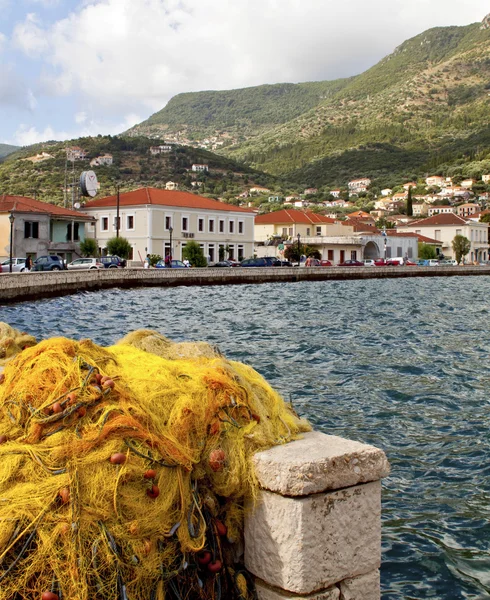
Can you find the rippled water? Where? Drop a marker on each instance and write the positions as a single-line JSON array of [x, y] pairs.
[[401, 364]]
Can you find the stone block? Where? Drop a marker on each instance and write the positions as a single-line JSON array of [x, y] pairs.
[[265, 592], [364, 587], [310, 543], [319, 462]]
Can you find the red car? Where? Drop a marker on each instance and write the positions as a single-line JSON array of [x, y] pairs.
[[325, 263]]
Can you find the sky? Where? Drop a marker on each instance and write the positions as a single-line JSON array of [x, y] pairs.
[[70, 68]]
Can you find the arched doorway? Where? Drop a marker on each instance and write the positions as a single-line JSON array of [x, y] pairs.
[[371, 250]]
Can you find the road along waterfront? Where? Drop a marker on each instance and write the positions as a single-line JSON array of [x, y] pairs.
[[32, 286], [398, 363]]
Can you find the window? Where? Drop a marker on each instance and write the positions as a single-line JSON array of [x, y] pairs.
[[284, 231], [117, 223], [437, 234], [211, 253], [319, 230], [399, 251], [130, 222], [308, 231], [221, 226], [241, 254], [241, 227], [200, 224], [459, 231], [409, 252], [353, 254], [330, 254], [290, 231], [231, 226], [168, 223], [104, 224], [31, 229], [76, 237], [185, 223], [211, 225]]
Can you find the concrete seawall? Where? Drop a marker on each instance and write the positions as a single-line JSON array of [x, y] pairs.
[[17, 287]]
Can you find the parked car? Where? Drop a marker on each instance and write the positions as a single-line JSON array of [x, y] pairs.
[[113, 262], [51, 262], [254, 262], [272, 261], [18, 265], [450, 262], [381, 262], [85, 263], [369, 262], [226, 263], [176, 264], [431, 262], [410, 263], [351, 263], [285, 263]]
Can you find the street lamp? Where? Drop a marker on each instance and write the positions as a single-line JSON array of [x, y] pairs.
[[11, 219], [170, 229], [299, 250]]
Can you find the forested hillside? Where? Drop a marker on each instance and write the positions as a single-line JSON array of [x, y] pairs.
[[424, 107], [133, 166], [6, 149]]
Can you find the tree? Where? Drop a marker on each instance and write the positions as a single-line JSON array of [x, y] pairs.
[[293, 252], [409, 202], [427, 251], [194, 254], [119, 246], [485, 218], [88, 247], [461, 246]]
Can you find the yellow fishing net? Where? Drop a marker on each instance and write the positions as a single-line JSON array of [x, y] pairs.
[[124, 470]]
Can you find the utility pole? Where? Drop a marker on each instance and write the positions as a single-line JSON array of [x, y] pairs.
[[117, 211]]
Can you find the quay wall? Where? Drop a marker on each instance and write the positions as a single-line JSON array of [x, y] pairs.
[[17, 287]]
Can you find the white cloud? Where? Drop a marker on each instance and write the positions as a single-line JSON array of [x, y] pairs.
[[122, 56], [27, 135], [30, 37]]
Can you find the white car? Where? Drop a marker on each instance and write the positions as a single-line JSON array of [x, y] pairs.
[[85, 263], [369, 262], [18, 265]]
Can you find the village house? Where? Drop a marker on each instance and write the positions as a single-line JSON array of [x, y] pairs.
[[310, 191], [357, 186], [149, 217], [200, 168], [444, 228], [335, 193], [435, 181], [40, 228], [420, 209], [171, 186], [76, 153], [468, 183], [467, 210], [164, 149], [104, 159], [485, 178], [386, 192], [412, 184], [259, 191], [439, 210]]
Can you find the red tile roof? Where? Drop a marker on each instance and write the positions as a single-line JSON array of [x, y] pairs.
[[290, 216], [440, 219], [22, 204], [156, 196]]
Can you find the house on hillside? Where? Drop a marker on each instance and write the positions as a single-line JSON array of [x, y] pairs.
[[386, 192], [485, 178], [103, 159], [356, 186], [257, 191], [200, 168], [420, 209], [310, 191], [335, 193], [163, 149], [40, 157], [40, 228], [412, 184], [467, 184], [76, 153], [468, 210], [150, 216], [171, 186], [440, 210], [444, 228]]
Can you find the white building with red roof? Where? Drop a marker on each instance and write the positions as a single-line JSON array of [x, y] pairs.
[[148, 216], [444, 228], [40, 228]]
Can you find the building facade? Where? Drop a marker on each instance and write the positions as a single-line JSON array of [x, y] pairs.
[[40, 228], [157, 221]]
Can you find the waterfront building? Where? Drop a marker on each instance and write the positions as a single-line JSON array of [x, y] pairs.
[[444, 228], [149, 217], [335, 240], [40, 228]]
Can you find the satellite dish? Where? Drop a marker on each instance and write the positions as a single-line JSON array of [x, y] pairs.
[[76, 205], [88, 183]]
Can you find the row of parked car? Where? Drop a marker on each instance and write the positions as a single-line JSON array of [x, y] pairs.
[[53, 262]]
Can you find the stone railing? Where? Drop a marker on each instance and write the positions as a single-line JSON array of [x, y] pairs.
[[316, 531]]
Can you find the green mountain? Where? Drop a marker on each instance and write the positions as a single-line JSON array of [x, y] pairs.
[[6, 149], [133, 166], [423, 108]]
